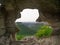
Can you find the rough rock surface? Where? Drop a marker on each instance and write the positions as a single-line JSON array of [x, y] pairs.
[[53, 40]]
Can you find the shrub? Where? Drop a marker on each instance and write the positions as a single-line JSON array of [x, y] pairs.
[[19, 37], [44, 31]]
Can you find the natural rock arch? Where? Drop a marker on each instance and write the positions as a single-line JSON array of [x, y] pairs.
[[13, 8], [48, 10]]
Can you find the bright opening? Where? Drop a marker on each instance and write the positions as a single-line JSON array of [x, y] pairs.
[[28, 15], [0, 4]]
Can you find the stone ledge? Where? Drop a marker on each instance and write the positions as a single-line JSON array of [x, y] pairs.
[[53, 40]]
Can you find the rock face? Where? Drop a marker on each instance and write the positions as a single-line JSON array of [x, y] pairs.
[[48, 9], [53, 40], [2, 26], [48, 12]]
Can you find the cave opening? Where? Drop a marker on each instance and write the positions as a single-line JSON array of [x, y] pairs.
[[28, 15]]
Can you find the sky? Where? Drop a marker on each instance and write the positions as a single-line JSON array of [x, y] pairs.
[[28, 15]]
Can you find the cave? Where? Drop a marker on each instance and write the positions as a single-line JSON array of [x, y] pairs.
[[10, 11]]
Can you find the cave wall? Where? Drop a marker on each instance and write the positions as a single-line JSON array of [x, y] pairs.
[[53, 40], [48, 12]]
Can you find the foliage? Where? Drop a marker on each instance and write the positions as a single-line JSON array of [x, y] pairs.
[[19, 37], [44, 31]]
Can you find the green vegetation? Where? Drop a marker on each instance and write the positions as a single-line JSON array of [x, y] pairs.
[[44, 31], [19, 37], [41, 31], [25, 30]]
